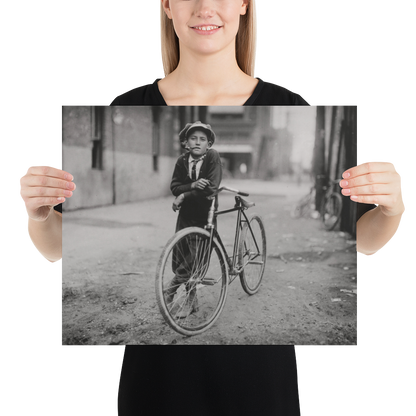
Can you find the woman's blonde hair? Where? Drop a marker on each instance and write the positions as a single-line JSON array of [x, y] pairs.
[[245, 43]]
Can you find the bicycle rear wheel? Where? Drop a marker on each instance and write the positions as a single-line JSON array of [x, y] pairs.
[[331, 210], [252, 254], [191, 281]]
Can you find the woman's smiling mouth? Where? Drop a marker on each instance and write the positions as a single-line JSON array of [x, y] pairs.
[[206, 29]]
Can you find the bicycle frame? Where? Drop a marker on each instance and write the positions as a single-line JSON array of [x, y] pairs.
[[233, 270]]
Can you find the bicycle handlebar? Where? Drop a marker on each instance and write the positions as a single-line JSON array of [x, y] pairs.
[[226, 188]]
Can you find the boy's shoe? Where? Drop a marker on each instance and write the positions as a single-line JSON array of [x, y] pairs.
[[189, 307], [170, 292]]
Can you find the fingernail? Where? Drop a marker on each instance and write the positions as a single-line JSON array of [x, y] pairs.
[[346, 191], [354, 197], [60, 199], [344, 183], [346, 175]]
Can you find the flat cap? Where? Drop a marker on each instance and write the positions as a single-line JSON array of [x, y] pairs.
[[197, 125]]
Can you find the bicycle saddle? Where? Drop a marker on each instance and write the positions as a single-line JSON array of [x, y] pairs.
[[244, 203]]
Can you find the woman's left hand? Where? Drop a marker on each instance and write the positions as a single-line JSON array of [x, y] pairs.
[[374, 183]]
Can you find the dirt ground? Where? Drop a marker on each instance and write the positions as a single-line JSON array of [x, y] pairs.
[[308, 294]]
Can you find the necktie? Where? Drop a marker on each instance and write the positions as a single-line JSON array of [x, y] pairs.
[[193, 172]]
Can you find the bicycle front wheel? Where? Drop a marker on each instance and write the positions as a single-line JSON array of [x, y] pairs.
[[191, 281], [252, 254]]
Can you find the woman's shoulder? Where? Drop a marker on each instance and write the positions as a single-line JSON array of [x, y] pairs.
[[267, 93], [145, 95]]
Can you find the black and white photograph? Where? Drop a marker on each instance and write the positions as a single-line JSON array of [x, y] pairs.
[[209, 225]]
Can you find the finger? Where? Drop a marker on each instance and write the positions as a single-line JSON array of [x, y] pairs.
[[46, 181], [34, 192], [36, 203], [384, 200], [366, 179], [381, 161], [365, 168], [49, 171], [375, 189]]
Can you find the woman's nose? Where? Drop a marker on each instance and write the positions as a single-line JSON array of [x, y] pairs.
[[204, 8]]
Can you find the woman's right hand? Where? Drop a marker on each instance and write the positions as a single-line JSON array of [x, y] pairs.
[[44, 187]]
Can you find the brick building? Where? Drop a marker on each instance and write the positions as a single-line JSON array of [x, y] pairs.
[[118, 154]]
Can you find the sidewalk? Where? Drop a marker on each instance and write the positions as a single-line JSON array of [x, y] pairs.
[[102, 231]]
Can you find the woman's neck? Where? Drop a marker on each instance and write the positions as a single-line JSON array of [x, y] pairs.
[[213, 79]]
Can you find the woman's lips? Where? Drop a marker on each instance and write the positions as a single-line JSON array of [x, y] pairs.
[[206, 29]]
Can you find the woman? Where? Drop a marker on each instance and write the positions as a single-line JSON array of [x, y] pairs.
[[209, 67], [208, 58]]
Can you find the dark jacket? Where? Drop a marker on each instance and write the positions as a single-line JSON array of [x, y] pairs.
[[196, 205]]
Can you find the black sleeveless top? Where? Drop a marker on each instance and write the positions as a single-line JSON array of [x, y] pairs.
[[363, 208]]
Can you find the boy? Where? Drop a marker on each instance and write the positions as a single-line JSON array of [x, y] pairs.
[[197, 175]]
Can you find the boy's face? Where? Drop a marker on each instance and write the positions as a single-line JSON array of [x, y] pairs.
[[198, 143]]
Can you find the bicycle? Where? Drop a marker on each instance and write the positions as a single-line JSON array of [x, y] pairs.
[[305, 207], [331, 206], [195, 302]]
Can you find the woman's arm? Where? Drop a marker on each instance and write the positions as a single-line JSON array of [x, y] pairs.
[[46, 235], [375, 229], [375, 183]]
